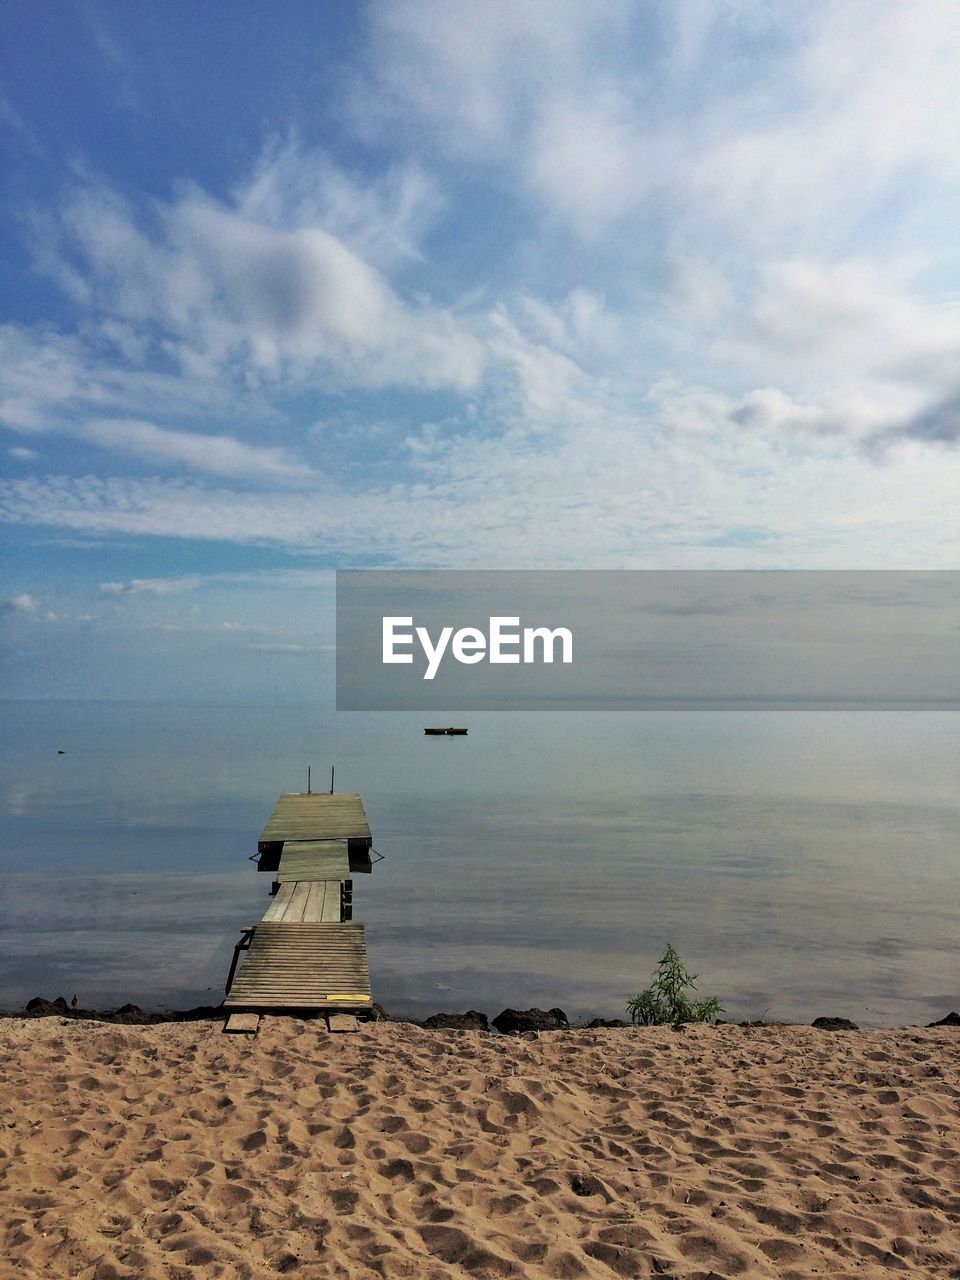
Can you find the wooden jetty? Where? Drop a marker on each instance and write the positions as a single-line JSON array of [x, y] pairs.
[[303, 966], [319, 902], [307, 952], [308, 817]]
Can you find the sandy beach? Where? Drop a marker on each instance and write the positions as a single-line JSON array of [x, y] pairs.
[[177, 1151]]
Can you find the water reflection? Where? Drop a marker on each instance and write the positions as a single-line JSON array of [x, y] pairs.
[[805, 863]]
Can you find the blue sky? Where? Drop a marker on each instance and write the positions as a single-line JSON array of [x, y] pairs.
[[295, 287]]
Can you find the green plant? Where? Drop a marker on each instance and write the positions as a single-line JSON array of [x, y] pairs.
[[666, 999]]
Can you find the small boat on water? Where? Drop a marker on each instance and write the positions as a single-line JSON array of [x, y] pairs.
[[445, 733]]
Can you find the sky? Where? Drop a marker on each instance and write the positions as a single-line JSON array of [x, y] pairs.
[[292, 288]]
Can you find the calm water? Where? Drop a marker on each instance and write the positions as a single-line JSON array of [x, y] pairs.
[[804, 863]]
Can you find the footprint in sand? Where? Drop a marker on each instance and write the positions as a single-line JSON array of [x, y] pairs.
[[398, 1170]]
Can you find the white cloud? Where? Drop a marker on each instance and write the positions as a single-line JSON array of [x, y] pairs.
[[758, 336], [29, 606], [382, 219], [202, 628], [608, 488], [23, 603], [219, 455], [532, 86], [472, 73], [725, 120], [591, 161], [769, 409], [851, 315], [198, 311], [21, 454], [50, 379], [151, 586], [227, 290], [38, 370], [280, 648], [870, 357]]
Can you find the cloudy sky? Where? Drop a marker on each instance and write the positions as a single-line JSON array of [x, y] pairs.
[[295, 287]]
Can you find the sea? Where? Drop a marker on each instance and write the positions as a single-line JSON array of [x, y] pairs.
[[803, 863]]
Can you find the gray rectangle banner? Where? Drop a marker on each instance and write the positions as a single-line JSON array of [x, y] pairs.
[[646, 639]]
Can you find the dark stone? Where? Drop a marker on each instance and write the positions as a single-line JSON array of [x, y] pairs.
[[951, 1020], [133, 1015], [40, 1008], [606, 1022], [834, 1024], [130, 1015], [472, 1020], [512, 1021], [127, 1015]]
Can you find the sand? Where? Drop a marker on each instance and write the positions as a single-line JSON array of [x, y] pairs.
[[176, 1151]]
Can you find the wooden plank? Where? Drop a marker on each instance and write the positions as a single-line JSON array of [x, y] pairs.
[[313, 860], [309, 902], [317, 817], [325, 900], [303, 966], [279, 903], [313, 902], [245, 1023], [298, 904], [316, 896], [342, 1022]]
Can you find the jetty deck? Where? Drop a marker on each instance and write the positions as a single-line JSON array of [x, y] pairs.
[[303, 966], [307, 902], [307, 952], [313, 860], [333, 816]]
